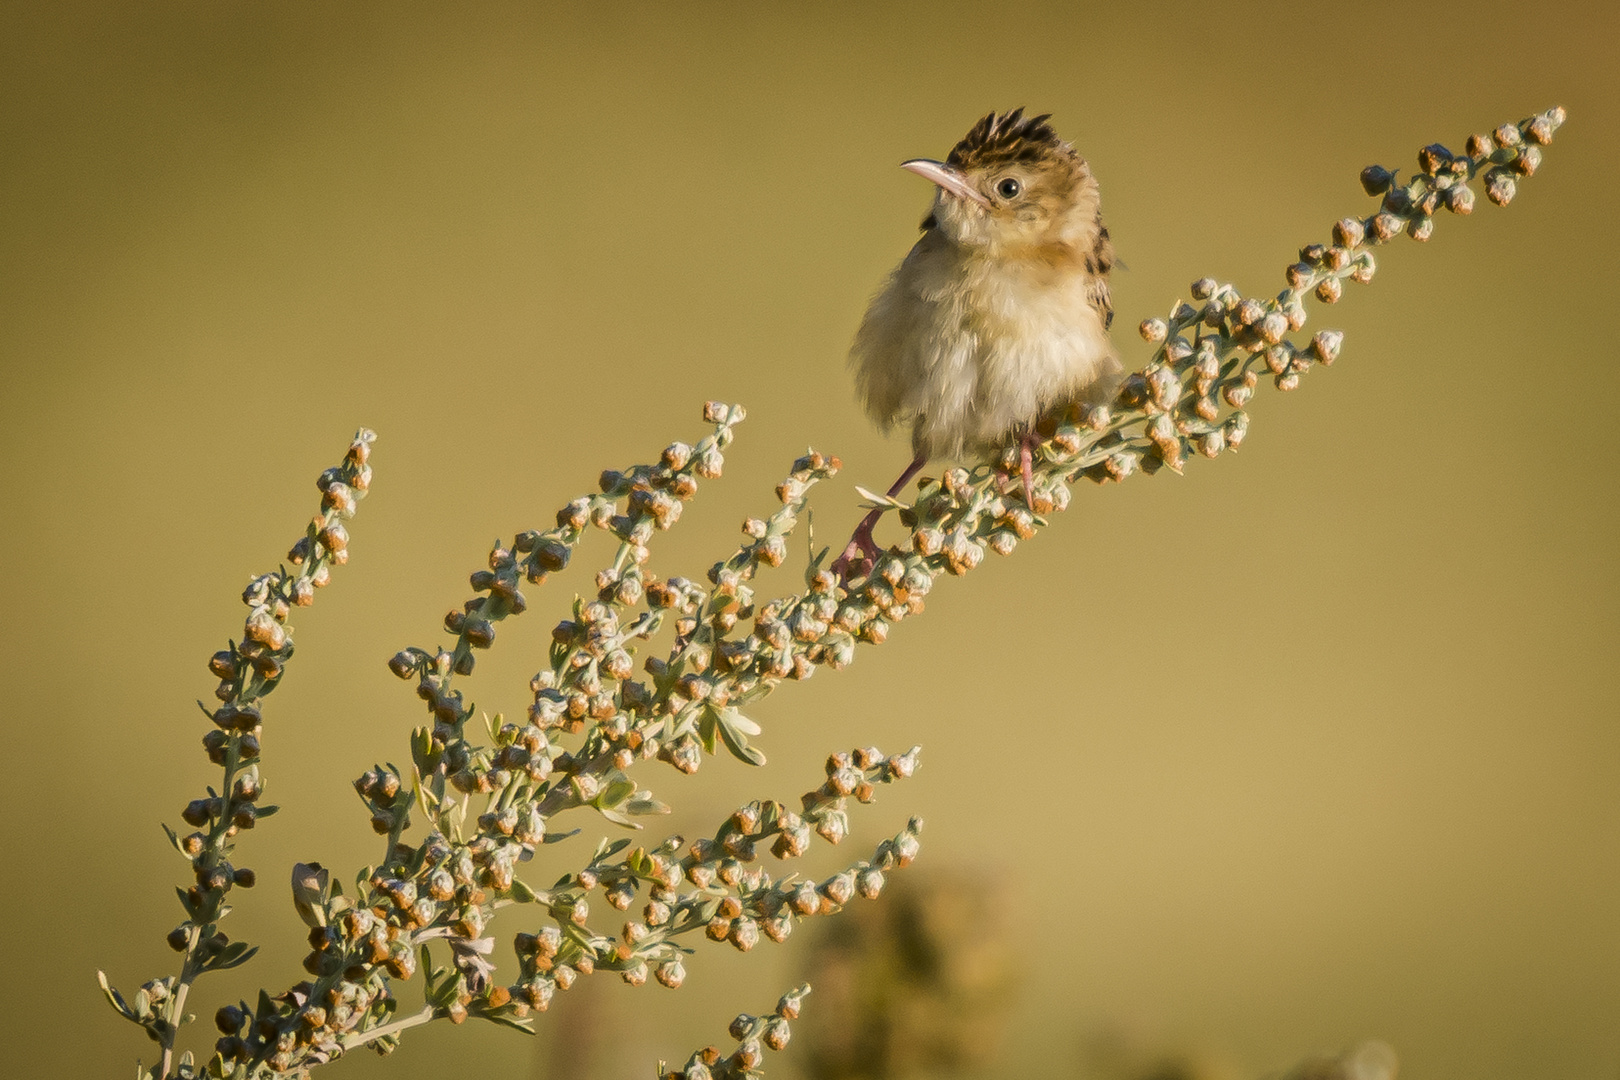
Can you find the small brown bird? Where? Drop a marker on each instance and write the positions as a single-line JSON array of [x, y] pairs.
[[1001, 310]]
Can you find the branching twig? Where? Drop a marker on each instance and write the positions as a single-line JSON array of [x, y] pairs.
[[753, 1035], [487, 805], [248, 672]]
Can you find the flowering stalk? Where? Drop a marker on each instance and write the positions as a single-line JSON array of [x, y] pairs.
[[752, 1033], [1172, 409], [449, 885], [591, 719], [1189, 400], [248, 672]]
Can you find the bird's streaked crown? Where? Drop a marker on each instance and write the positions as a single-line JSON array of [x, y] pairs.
[[1005, 138]]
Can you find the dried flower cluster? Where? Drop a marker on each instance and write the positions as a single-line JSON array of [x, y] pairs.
[[1190, 397], [248, 671], [485, 797], [752, 1034]]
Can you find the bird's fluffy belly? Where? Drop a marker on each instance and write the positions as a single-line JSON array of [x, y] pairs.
[[995, 354]]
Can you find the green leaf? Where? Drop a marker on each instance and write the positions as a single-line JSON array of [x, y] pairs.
[[429, 972], [525, 1026], [770, 812], [739, 721], [618, 788], [425, 757], [235, 954], [431, 792], [446, 992], [606, 850], [874, 501], [818, 559], [643, 804], [309, 881], [262, 812], [737, 742], [618, 818], [708, 728], [455, 813], [522, 893], [640, 863], [175, 840], [114, 998]]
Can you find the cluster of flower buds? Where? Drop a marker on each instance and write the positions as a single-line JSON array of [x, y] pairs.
[[445, 888], [1189, 399], [150, 1008], [248, 671], [588, 687], [588, 682], [651, 498], [729, 650], [387, 796], [449, 889], [436, 890], [308, 1025], [715, 886], [753, 1035]]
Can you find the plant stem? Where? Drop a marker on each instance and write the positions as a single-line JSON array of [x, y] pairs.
[[218, 839], [354, 1042]]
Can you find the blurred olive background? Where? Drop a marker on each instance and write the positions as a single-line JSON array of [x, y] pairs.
[[1314, 744]]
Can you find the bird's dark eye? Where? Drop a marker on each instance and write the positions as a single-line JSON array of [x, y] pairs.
[[1009, 188]]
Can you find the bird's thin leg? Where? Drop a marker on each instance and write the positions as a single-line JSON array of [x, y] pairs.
[[1026, 465], [862, 549], [911, 470]]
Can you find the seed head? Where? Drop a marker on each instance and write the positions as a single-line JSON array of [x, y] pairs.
[[1375, 179], [776, 1033], [1500, 186], [1383, 226], [1528, 161], [1348, 232], [1432, 159]]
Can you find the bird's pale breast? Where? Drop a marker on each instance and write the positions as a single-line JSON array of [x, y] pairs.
[[969, 348]]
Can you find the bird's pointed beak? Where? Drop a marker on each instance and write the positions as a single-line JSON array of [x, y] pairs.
[[948, 179]]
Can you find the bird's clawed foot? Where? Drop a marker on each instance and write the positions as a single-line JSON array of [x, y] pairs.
[[860, 555], [862, 552], [1027, 442], [1026, 464]]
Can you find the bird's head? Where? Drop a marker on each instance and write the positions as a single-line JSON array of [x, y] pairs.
[[1011, 184]]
